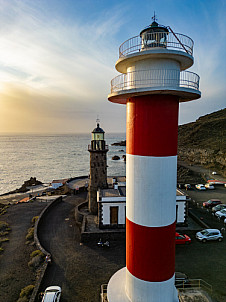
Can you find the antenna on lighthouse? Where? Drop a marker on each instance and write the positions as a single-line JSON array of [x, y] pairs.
[[154, 17], [97, 120]]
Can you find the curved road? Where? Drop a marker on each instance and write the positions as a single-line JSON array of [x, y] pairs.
[[78, 269]]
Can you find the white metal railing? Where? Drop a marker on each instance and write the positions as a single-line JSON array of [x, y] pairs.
[[155, 78], [184, 285], [195, 284], [103, 293], [159, 39]]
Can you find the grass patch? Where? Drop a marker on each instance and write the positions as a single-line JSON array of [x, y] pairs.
[[26, 293]]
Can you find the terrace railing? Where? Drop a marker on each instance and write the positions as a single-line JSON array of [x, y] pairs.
[[155, 78], [152, 40]]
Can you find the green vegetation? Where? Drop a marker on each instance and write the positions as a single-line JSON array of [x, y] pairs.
[[34, 219], [4, 230], [35, 253], [4, 240], [26, 293], [37, 258], [3, 209], [30, 234]]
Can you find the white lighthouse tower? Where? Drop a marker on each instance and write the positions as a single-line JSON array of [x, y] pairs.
[[152, 83]]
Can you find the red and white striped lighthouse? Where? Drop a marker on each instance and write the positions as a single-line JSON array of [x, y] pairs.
[[152, 83]]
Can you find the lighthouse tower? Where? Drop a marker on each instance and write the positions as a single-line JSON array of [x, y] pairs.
[[152, 83], [98, 166]]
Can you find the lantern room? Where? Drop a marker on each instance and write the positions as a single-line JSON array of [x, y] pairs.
[[98, 142], [154, 36]]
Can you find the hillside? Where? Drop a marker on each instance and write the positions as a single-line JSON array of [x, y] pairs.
[[204, 141]]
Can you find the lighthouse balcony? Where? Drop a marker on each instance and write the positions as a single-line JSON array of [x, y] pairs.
[[185, 84], [156, 40]]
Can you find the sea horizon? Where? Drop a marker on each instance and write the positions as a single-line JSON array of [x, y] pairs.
[[51, 156]]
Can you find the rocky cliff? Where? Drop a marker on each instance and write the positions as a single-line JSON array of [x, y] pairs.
[[204, 141]]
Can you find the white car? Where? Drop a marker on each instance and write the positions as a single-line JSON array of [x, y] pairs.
[[221, 214], [214, 173], [52, 294], [209, 234], [200, 187], [209, 186]]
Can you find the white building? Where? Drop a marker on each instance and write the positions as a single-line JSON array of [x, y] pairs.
[[112, 206]]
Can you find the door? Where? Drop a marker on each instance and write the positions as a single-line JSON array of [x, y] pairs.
[[113, 215]]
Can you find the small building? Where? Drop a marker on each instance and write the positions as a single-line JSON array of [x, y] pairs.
[[112, 205], [58, 183]]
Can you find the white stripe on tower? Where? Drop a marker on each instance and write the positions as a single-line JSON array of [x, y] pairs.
[[152, 123]]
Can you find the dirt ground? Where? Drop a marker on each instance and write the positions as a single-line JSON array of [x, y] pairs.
[[14, 271]]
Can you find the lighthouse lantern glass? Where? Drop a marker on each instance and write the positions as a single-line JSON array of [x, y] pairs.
[[154, 36]]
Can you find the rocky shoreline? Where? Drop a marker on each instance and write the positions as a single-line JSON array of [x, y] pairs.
[[24, 188]]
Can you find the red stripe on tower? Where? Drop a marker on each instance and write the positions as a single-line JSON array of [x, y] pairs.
[[152, 124], [150, 251]]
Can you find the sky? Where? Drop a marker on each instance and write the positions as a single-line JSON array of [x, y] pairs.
[[57, 59]]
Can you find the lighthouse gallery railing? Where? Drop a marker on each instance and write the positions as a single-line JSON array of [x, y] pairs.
[[153, 40], [155, 78]]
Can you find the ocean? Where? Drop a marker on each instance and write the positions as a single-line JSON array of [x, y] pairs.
[[49, 157]]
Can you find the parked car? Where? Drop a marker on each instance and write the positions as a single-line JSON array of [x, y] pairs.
[[181, 280], [187, 186], [52, 294], [182, 238], [219, 207], [180, 186], [221, 214], [211, 203], [209, 186], [214, 173], [200, 187], [209, 234]]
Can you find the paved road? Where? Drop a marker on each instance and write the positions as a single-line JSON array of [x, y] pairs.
[[78, 269]]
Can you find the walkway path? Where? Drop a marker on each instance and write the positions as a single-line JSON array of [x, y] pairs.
[[78, 269]]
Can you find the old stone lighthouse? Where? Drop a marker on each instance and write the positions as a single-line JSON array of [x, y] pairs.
[[98, 166]]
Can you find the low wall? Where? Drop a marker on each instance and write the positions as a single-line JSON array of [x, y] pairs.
[[87, 237], [34, 296]]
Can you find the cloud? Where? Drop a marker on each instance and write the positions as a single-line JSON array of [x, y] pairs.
[[52, 67]]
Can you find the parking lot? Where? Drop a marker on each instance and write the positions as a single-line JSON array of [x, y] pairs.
[[205, 260]]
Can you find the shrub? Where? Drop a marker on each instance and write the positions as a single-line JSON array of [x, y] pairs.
[[34, 219], [3, 226], [25, 293], [1, 249], [37, 252], [4, 233], [4, 240], [36, 261], [30, 234]]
